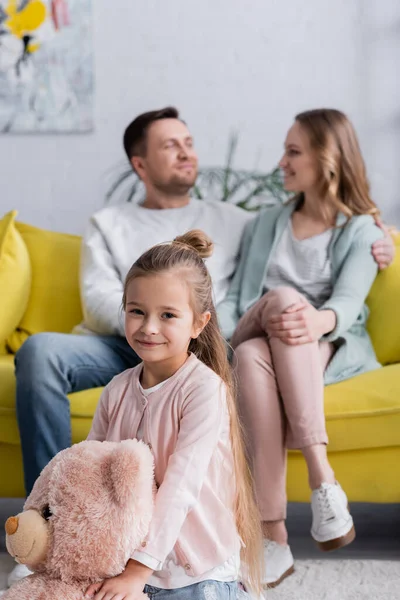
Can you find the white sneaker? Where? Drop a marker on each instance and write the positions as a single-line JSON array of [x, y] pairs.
[[332, 524], [18, 572], [278, 563]]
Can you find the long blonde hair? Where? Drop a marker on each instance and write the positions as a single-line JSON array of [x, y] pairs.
[[185, 255], [343, 179]]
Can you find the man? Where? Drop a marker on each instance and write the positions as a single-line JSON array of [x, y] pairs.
[[50, 365]]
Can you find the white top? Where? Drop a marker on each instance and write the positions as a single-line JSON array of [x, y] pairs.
[[302, 264], [170, 575], [118, 235]]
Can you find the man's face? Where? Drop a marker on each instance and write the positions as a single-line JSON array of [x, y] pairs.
[[170, 163]]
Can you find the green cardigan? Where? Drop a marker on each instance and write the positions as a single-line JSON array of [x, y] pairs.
[[353, 272]]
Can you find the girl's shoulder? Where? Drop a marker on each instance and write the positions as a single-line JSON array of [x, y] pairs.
[[264, 220], [269, 216], [202, 380], [122, 380], [362, 229], [360, 221], [271, 213]]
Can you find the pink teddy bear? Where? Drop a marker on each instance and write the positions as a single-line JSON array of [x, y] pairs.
[[88, 511]]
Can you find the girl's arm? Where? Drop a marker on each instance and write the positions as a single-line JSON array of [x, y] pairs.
[[127, 586], [354, 282], [99, 428], [203, 414]]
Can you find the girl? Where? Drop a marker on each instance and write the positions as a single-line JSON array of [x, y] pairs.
[[299, 291], [180, 400]]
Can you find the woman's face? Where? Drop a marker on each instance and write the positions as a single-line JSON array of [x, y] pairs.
[[299, 163]]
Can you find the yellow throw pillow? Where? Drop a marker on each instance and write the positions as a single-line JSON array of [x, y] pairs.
[[384, 320], [15, 277], [54, 303]]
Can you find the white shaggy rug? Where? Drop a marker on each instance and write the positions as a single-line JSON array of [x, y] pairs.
[[320, 580], [340, 580]]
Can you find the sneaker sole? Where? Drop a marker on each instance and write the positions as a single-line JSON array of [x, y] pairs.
[[337, 543], [268, 586]]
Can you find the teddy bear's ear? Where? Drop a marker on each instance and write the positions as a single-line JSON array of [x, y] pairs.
[[129, 471]]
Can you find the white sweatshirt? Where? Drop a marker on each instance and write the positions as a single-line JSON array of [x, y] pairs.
[[117, 235]]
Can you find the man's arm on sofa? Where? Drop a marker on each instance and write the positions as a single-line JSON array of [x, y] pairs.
[[384, 250], [101, 285]]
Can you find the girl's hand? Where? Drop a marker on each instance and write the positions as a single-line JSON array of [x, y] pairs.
[[301, 323], [127, 586], [384, 250], [121, 587]]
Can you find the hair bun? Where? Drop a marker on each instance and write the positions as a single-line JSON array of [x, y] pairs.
[[197, 240]]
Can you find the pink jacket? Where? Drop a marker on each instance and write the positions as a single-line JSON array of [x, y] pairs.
[[186, 425]]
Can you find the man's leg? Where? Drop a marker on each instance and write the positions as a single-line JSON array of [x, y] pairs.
[[48, 367]]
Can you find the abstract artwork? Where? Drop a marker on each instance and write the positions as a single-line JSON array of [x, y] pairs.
[[46, 66]]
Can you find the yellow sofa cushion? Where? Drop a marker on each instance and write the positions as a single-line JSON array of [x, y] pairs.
[[384, 321], [363, 412], [54, 303], [15, 277], [8, 422]]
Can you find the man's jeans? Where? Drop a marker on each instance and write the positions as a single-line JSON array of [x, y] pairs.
[[48, 367]]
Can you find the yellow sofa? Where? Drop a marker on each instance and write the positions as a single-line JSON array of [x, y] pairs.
[[363, 414]]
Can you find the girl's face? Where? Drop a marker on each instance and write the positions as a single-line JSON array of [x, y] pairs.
[[299, 163], [159, 320]]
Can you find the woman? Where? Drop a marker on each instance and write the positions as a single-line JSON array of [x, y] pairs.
[[299, 292]]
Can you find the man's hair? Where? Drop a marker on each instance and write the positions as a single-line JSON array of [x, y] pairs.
[[135, 136]]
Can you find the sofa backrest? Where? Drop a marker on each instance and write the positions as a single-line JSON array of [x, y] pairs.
[[54, 303], [384, 304]]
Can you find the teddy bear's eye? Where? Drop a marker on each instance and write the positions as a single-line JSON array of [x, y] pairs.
[[46, 512]]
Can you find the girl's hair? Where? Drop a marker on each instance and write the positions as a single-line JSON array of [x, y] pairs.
[[343, 179], [185, 256]]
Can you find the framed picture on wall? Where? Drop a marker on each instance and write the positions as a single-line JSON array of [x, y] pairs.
[[46, 66]]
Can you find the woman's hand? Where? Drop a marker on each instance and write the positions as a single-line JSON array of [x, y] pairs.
[[301, 323], [384, 250], [127, 586]]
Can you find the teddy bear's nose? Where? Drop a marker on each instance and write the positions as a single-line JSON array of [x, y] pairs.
[[11, 525]]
